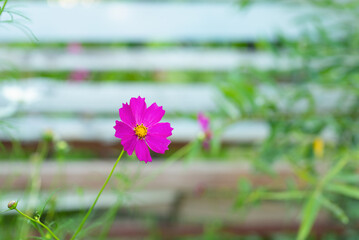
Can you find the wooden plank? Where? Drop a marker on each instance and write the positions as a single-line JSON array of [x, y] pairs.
[[203, 209], [194, 209], [207, 187], [114, 59], [46, 96], [100, 129], [97, 98], [47, 102], [77, 201], [144, 22], [136, 229], [177, 176]]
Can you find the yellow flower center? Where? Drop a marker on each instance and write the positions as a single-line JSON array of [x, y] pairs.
[[140, 131]]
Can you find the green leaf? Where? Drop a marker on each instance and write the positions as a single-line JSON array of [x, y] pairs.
[[309, 214], [335, 209], [347, 178], [288, 195], [345, 190], [244, 3], [244, 189], [335, 170]]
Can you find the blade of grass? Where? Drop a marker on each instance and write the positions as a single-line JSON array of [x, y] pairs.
[[3, 7], [309, 214], [345, 190], [284, 195], [335, 209]]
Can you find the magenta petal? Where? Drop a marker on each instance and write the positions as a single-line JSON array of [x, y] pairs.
[[203, 121], [153, 115], [158, 144], [123, 130], [142, 151], [161, 129], [127, 116], [138, 107], [129, 144], [127, 135]]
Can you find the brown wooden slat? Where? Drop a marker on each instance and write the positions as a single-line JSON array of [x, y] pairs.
[[178, 176], [133, 230], [201, 185]]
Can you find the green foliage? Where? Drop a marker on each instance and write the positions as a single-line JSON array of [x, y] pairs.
[[2, 9], [14, 18], [309, 214], [335, 209], [303, 131], [284, 98]]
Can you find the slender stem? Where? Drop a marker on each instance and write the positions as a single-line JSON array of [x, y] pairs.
[[98, 196], [3, 7], [38, 221], [37, 159], [144, 182], [109, 220], [174, 157]]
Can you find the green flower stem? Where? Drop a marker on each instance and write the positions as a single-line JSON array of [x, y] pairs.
[[144, 182], [37, 159], [38, 221], [98, 196]]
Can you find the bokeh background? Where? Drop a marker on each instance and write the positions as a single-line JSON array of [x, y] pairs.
[[278, 82]]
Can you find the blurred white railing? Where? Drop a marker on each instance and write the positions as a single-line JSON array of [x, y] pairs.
[[155, 22]]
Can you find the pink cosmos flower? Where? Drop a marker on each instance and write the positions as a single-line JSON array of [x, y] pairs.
[[204, 123], [79, 75], [74, 48], [140, 129]]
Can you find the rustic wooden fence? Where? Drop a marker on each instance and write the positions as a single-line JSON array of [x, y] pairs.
[[187, 194]]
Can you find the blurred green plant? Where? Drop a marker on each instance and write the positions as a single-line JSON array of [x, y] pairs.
[[3, 6], [11, 16], [298, 106], [320, 62]]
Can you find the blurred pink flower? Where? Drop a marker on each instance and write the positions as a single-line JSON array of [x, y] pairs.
[[74, 48], [79, 75], [205, 125], [140, 129]]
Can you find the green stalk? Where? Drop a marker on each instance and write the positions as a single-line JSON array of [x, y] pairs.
[[3, 7], [38, 221], [37, 159], [98, 196]]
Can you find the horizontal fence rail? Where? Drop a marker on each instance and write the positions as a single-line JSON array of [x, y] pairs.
[[57, 97], [177, 176], [100, 129], [144, 22], [178, 192], [44, 96], [71, 109], [138, 59]]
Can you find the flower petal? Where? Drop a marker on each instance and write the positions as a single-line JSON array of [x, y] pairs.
[[142, 151], [129, 144], [138, 107], [123, 130], [126, 115], [161, 129], [157, 143], [153, 115], [203, 121]]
